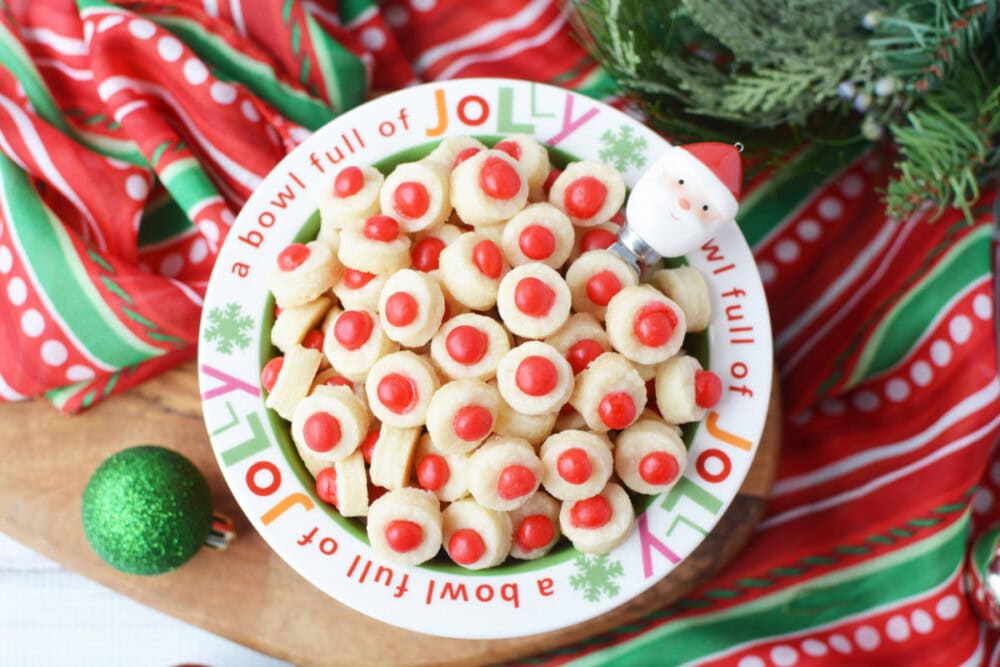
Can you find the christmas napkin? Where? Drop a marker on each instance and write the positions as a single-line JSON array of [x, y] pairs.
[[131, 133]]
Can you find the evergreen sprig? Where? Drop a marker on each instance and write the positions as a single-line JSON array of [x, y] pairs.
[[925, 73]]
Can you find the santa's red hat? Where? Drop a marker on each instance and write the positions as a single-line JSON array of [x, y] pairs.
[[723, 160]]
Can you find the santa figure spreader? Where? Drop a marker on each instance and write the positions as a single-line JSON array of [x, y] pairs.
[[680, 201]]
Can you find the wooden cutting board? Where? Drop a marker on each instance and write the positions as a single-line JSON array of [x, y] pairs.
[[247, 593]]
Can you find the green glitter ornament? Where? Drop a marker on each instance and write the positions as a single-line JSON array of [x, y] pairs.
[[146, 510]]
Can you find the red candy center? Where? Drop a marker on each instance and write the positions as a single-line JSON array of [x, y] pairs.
[[582, 353], [348, 182], [658, 468], [401, 309], [585, 197], [602, 287], [357, 279], [433, 472], [550, 179], [591, 513], [466, 546], [411, 199], [292, 257], [403, 535], [466, 344], [397, 392], [464, 155], [510, 147], [472, 422], [537, 242], [499, 179], [596, 239], [326, 485], [707, 389], [536, 376], [269, 374], [533, 297], [654, 324], [338, 381], [381, 228], [313, 340], [353, 328], [488, 259], [574, 466], [321, 431], [617, 410], [515, 481], [368, 445], [426, 254], [535, 532]]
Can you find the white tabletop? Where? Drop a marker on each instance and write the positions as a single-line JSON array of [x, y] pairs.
[[50, 616]]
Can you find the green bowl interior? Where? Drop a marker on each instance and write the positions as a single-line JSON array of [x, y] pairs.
[[696, 345]]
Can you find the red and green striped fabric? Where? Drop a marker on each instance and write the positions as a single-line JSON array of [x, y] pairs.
[[131, 133]]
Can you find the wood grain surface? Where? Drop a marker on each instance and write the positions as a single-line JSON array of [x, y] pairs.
[[247, 593]]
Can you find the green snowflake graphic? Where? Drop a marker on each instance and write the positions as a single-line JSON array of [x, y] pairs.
[[595, 577], [229, 328], [623, 149]]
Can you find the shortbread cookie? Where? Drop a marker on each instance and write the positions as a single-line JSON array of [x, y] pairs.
[[488, 188], [588, 192], [533, 159], [503, 473], [290, 379], [330, 237], [417, 195], [399, 388], [359, 289], [392, 456], [534, 527], [471, 269], [533, 428], [684, 392], [331, 377], [686, 287], [462, 413], [539, 233], [296, 321], [609, 394], [377, 246], [404, 526], [469, 346], [533, 300], [644, 325], [649, 456], [350, 198], [568, 420], [411, 307], [328, 425], [581, 340], [455, 150], [534, 378], [475, 537], [352, 485], [425, 252], [443, 474], [575, 464], [598, 237], [354, 341], [303, 273], [595, 278], [492, 232], [598, 524]]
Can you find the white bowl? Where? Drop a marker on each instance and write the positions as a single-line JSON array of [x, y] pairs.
[[270, 483]]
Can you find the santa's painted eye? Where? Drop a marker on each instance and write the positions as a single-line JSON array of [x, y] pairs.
[[680, 182], [705, 207]]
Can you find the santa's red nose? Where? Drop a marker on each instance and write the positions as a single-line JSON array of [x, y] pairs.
[[684, 203]]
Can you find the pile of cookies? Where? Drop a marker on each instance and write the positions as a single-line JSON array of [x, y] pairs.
[[465, 363]]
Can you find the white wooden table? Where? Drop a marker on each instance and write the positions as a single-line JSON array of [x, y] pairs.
[[51, 616]]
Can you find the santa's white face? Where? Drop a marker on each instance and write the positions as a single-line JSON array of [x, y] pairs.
[[678, 203]]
